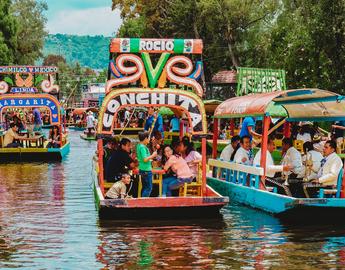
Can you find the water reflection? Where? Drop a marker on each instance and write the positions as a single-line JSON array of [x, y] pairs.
[[48, 221]]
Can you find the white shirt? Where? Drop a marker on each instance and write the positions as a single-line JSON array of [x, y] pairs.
[[271, 169], [305, 137], [90, 121], [328, 173], [127, 115], [227, 152], [294, 158], [315, 157], [240, 154]]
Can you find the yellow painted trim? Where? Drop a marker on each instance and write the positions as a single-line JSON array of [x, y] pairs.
[[113, 94]]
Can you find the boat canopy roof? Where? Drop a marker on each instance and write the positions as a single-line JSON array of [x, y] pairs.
[[84, 110], [297, 105]]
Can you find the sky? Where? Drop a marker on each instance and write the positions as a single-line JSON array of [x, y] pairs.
[[82, 17]]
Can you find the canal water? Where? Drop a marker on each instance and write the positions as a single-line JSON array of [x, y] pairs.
[[48, 221]]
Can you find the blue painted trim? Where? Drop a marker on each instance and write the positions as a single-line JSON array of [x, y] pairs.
[[310, 100], [299, 92], [63, 151], [317, 119]]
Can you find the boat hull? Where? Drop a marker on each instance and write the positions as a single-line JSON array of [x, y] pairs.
[[159, 208], [33, 154], [287, 208]]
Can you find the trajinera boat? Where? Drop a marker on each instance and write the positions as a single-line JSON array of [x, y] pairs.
[[248, 184], [27, 92], [134, 83]]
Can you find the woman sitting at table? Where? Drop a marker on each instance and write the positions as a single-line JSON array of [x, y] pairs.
[[54, 137], [189, 154], [178, 166]]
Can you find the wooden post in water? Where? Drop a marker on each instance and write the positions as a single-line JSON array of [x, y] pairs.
[[215, 137], [264, 139], [100, 164], [203, 167]]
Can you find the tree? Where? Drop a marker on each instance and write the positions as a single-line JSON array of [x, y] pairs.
[[53, 60], [31, 32], [8, 31]]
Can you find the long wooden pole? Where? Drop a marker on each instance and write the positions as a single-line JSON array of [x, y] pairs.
[[264, 141], [100, 165], [215, 137], [203, 153]]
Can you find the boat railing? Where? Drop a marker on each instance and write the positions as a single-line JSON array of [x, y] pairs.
[[236, 173]]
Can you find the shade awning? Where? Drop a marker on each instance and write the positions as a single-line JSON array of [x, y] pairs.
[[79, 111], [296, 104]]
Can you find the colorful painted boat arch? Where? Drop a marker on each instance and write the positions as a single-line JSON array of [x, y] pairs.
[[188, 102], [37, 100]]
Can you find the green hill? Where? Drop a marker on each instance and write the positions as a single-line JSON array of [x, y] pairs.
[[89, 51]]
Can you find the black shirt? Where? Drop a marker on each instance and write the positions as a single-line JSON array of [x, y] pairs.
[[117, 164]]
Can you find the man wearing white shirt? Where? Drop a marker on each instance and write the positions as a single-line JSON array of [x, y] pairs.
[[229, 149], [293, 158], [271, 169], [331, 165], [244, 153]]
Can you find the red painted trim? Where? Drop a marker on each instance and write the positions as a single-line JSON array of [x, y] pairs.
[[232, 127], [215, 137], [181, 128], [266, 124], [203, 153], [100, 164]]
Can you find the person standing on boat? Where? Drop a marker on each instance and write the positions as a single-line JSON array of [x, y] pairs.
[[248, 126], [37, 120], [175, 124], [271, 169], [145, 163], [119, 162], [90, 123], [230, 148], [154, 122], [292, 157], [244, 154]]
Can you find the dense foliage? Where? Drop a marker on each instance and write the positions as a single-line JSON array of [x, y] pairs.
[[88, 51], [304, 37], [21, 31]]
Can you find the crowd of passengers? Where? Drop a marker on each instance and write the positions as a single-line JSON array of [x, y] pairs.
[[320, 163], [178, 162]]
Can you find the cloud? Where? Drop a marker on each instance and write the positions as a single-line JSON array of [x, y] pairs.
[[91, 21]]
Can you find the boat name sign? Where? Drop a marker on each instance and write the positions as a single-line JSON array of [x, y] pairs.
[[189, 104]]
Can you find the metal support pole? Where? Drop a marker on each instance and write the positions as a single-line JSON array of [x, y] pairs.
[[266, 124]]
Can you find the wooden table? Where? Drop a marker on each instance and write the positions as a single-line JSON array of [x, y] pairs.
[[28, 141]]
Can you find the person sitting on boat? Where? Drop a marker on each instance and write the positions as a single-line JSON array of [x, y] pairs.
[[271, 169], [330, 167], [37, 120], [54, 137], [230, 148], [311, 161], [292, 157], [338, 134], [190, 155], [154, 121], [119, 162], [145, 163], [304, 134], [109, 148], [119, 189], [248, 128], [244, 154], [12, 135], [90, 123], [179, 167]]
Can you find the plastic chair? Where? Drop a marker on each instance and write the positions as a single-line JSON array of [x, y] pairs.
[[333, 192]]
